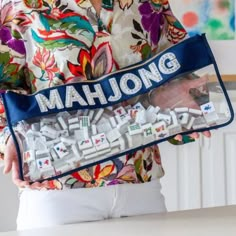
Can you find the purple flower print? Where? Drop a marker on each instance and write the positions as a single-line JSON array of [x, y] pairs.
[[152, 20], [15, 44]]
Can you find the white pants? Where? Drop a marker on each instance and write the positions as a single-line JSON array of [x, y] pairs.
[[56, 207]]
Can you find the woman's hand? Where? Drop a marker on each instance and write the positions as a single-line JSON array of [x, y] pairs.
[[194, 135], [11, 165]]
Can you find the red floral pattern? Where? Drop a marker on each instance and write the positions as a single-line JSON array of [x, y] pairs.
[[46, 62], [65, 42]]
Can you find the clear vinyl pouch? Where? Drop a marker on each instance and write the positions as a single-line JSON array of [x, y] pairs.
[[71, 127]]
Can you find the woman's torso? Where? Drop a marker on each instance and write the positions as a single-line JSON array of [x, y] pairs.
[[63, 41]]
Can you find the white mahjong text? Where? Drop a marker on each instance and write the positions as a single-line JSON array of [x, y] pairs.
[[129, 84]]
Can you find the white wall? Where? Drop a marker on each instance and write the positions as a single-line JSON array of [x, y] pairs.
[[224, 50], [8, 203], [225, 55]]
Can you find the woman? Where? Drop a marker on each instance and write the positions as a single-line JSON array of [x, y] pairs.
[[53, 42]]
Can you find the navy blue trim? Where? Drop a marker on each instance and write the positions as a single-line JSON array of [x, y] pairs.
[[204, 44], [189, 53], [207, 46], [14, 139]]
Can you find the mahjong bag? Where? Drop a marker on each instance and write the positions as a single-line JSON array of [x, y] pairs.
[[67, 128]]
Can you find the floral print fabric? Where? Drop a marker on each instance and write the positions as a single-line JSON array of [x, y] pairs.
[[53, 42]]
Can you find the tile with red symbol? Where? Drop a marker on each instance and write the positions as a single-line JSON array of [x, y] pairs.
[[85, 144], [61, 150], [44, 163], [29, 156], [100, 141], [120, 111]]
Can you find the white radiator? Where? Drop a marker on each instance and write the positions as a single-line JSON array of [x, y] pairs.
[[201, 174]]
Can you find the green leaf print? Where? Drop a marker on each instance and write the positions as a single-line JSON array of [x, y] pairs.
[[137, 165], [9, 69], [73, 29], [71, 181], [146, 51], [51, 43], [65, 25], [61, 43], [4, 58], [31, 78], [16, 34]]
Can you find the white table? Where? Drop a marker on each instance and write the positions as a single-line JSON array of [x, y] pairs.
[[204, 222]]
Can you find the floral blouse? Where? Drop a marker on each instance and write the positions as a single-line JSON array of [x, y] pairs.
[[46, 43]]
